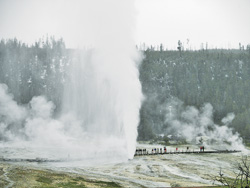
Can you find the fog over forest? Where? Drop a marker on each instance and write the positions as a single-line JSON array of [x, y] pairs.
[[124, 93], [187, 93]]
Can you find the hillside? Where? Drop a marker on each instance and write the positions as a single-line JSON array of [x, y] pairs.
[[219, 77], [193, 78]]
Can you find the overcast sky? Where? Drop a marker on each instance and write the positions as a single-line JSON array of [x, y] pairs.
[[221, 23]]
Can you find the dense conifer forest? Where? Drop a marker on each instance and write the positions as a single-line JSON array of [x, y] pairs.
[[216, 76], [219, 77]]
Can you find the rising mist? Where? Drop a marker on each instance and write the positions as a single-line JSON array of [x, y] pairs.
[[102, 92]]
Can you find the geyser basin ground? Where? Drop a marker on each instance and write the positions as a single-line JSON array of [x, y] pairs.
[[86, 154], [149, 171]]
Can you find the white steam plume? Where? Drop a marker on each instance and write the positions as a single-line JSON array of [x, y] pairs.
[[191, 123], [104, 91], [11, 115], [228, 119], [102, 96]]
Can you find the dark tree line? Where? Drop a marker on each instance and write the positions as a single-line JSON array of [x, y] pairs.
[[220, 77], [33, 70]]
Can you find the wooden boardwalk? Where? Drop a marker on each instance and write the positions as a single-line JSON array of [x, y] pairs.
[[137, 154], [143, 153]]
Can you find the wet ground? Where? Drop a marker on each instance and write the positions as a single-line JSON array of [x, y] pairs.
[[166, 170], [148, 171]]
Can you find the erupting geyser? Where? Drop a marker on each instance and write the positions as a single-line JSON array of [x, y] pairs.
[[102, 98], [104, 91]]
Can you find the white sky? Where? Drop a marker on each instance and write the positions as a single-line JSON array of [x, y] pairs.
[[221, 23]]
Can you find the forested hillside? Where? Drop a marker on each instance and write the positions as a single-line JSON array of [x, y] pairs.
[[35, 70], [219, 77]]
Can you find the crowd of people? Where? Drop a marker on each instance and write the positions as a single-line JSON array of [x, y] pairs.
[[163, 150]]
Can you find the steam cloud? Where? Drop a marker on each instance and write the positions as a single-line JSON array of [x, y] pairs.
[[192, 123], [102, 97], [11, 115], [31, 123]]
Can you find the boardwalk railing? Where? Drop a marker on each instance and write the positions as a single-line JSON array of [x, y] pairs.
[[143, 153]]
